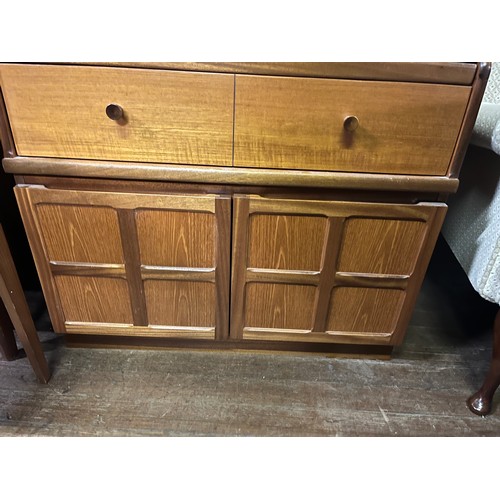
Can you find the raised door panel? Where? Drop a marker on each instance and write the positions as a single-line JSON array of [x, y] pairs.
[[131, 264], [333, 272], [381, 246], [298, 123], [293, 242], [188, 238], [191, 303], [94, 299], [79, 233], [359, 309], [277, 306], [168, 116]]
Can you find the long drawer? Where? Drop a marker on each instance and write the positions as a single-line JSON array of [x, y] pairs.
[[120, 114], [196, 118], [347, 125]]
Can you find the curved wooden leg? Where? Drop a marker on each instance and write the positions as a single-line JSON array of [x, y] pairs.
[[8, 346], [14, 300], [480, 402]]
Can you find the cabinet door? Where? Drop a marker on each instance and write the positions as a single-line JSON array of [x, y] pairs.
[[131, 264], [321, 271]]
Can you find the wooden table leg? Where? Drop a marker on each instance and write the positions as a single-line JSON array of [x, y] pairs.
[[8, 346], [14, 300], [480, 402]]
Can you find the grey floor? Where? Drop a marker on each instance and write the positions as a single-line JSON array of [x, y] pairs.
[[122, 392]]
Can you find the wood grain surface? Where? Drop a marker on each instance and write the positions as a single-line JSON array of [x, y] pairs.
[[176, 239], [40, 257], [180, 303], [429, 72], [291, 243], [94, 299], [170, 117], [121, 199], [282, 307], [359, 309], [131, 252], [159, 256], [332, 246], [76, 233], [381, 246], [115, 334], [241, 177], [97, 184], [223, 214], [297, 123], [88, 269], [359, 286]]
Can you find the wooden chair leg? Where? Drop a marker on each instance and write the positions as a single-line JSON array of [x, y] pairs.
[[8, 346], [480, 402], [14, 300]]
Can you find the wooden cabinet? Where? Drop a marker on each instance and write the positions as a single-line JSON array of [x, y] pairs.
[[273, 206]]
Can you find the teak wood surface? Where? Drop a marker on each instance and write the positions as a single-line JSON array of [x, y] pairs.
[[247, 121], [423, 72], [195, 176], [328, 271], [111, 262], [299, 123], [170, 117]]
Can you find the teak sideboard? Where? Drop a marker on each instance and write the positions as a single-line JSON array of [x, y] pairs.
[[290, 206]]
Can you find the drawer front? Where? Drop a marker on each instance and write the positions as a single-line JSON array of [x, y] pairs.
[[169, 116], [314, 271], [131, 264], [298, 123]]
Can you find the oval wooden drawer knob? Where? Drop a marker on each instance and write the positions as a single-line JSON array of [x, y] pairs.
[[115, 112], [351, 123]]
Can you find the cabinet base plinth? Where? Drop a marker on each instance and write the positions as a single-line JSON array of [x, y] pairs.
[[336, 350]]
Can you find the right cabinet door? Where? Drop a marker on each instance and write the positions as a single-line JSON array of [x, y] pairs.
[[327, 271]]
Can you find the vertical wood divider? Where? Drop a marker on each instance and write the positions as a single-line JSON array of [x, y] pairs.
[[222, 256], [331, 250], [131, 254], [239, 265]]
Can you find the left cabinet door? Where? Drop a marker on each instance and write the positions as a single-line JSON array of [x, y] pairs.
[[131, 264]]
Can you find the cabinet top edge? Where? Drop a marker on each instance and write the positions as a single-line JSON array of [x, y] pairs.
[[456, 73]]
